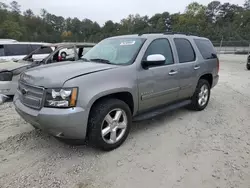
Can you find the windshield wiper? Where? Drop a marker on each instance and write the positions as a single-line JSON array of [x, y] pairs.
[[99, 60]]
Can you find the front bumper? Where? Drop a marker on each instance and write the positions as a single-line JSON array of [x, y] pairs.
[[64, 123], [8, 87]]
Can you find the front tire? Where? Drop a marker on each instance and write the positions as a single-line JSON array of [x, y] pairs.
[[201, 96], [109, 124]]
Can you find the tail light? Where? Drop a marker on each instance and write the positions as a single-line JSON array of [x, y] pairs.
[[218, 64]]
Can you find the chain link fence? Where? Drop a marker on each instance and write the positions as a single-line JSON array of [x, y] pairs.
[[232, 47]]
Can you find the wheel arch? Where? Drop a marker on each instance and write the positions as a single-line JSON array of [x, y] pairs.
[[125, 96], [208, 77]]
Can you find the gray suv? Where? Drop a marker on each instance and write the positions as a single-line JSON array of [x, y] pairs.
[[120, 80]]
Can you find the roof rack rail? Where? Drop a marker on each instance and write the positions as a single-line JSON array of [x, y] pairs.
[[153, 32], [169, 33], [179, 33]]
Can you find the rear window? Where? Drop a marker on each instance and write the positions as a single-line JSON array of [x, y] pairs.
[[16, 49], [206, 48], [185, 50]]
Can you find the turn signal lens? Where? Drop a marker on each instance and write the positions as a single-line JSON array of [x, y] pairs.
[[73, 97]]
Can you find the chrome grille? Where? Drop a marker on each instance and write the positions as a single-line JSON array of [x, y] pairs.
[[31, 96]]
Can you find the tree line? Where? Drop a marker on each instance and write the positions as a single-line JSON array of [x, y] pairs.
[[216, 21]]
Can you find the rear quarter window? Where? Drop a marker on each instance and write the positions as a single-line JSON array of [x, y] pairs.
[[206, 48]]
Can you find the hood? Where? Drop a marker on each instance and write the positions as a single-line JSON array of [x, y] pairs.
[[55, 75], [11, 65]]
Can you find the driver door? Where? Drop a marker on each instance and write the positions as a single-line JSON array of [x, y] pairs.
[[158, 85]]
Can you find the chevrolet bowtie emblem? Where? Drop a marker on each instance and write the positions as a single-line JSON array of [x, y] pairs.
[[24, 91]]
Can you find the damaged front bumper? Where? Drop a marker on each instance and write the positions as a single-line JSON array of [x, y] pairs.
[[3, 98], [8, 87]]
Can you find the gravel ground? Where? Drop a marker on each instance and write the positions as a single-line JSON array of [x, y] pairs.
[[179, 149]]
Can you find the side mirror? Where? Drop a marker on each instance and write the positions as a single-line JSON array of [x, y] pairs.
[[154, 60]]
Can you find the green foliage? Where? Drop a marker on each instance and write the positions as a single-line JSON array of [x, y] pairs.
[[213, 21]]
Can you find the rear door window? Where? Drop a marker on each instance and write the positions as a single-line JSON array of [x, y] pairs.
[[206, 48], [185, 50], [42, 50], [1, 50], [34, 46], [16, 49]]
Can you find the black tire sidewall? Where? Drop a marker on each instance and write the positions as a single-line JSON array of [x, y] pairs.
[[248, 66], [63, 53], [195, 99], [98, 113]]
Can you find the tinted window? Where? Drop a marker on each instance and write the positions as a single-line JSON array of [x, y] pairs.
[[206, 48], [185, 50], [161, 46], [16, 49], [1, 50], [35, 46], [42, 50]]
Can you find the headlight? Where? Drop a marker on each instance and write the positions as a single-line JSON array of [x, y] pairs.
[[61, 98], [6, 76]]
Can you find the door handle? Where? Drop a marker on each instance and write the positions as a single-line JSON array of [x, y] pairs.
[[172, 72], [196, 67]]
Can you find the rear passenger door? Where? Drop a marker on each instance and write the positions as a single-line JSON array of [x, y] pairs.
[[158, 85], [187, 67]]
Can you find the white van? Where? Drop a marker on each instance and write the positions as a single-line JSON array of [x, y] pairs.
[[7, 40], [14, 51]]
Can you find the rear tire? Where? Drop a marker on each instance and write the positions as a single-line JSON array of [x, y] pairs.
[[201, 96], [109, 124], [248, 66]]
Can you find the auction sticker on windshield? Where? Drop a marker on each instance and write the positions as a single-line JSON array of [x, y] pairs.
[[127, 43]]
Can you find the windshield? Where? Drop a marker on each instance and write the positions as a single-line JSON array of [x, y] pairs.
[[118, 51]]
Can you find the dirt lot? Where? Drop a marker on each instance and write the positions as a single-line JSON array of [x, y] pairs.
[[180, 149]]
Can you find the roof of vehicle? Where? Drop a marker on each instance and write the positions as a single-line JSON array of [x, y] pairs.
[[77, 44], [16, 42], [156, 35], [8, 40]]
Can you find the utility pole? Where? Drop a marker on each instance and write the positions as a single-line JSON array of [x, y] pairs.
[[221, 42]]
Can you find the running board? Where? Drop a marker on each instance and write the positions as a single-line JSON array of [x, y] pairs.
[[162, 110]]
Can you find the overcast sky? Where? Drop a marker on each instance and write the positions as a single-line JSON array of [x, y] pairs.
[[103, 10]]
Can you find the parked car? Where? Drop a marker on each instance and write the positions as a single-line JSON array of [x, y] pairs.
[[248, 62], [74, 52], [122, 79], [7, 40], [69, 52], [13, 51], [10, 71]]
